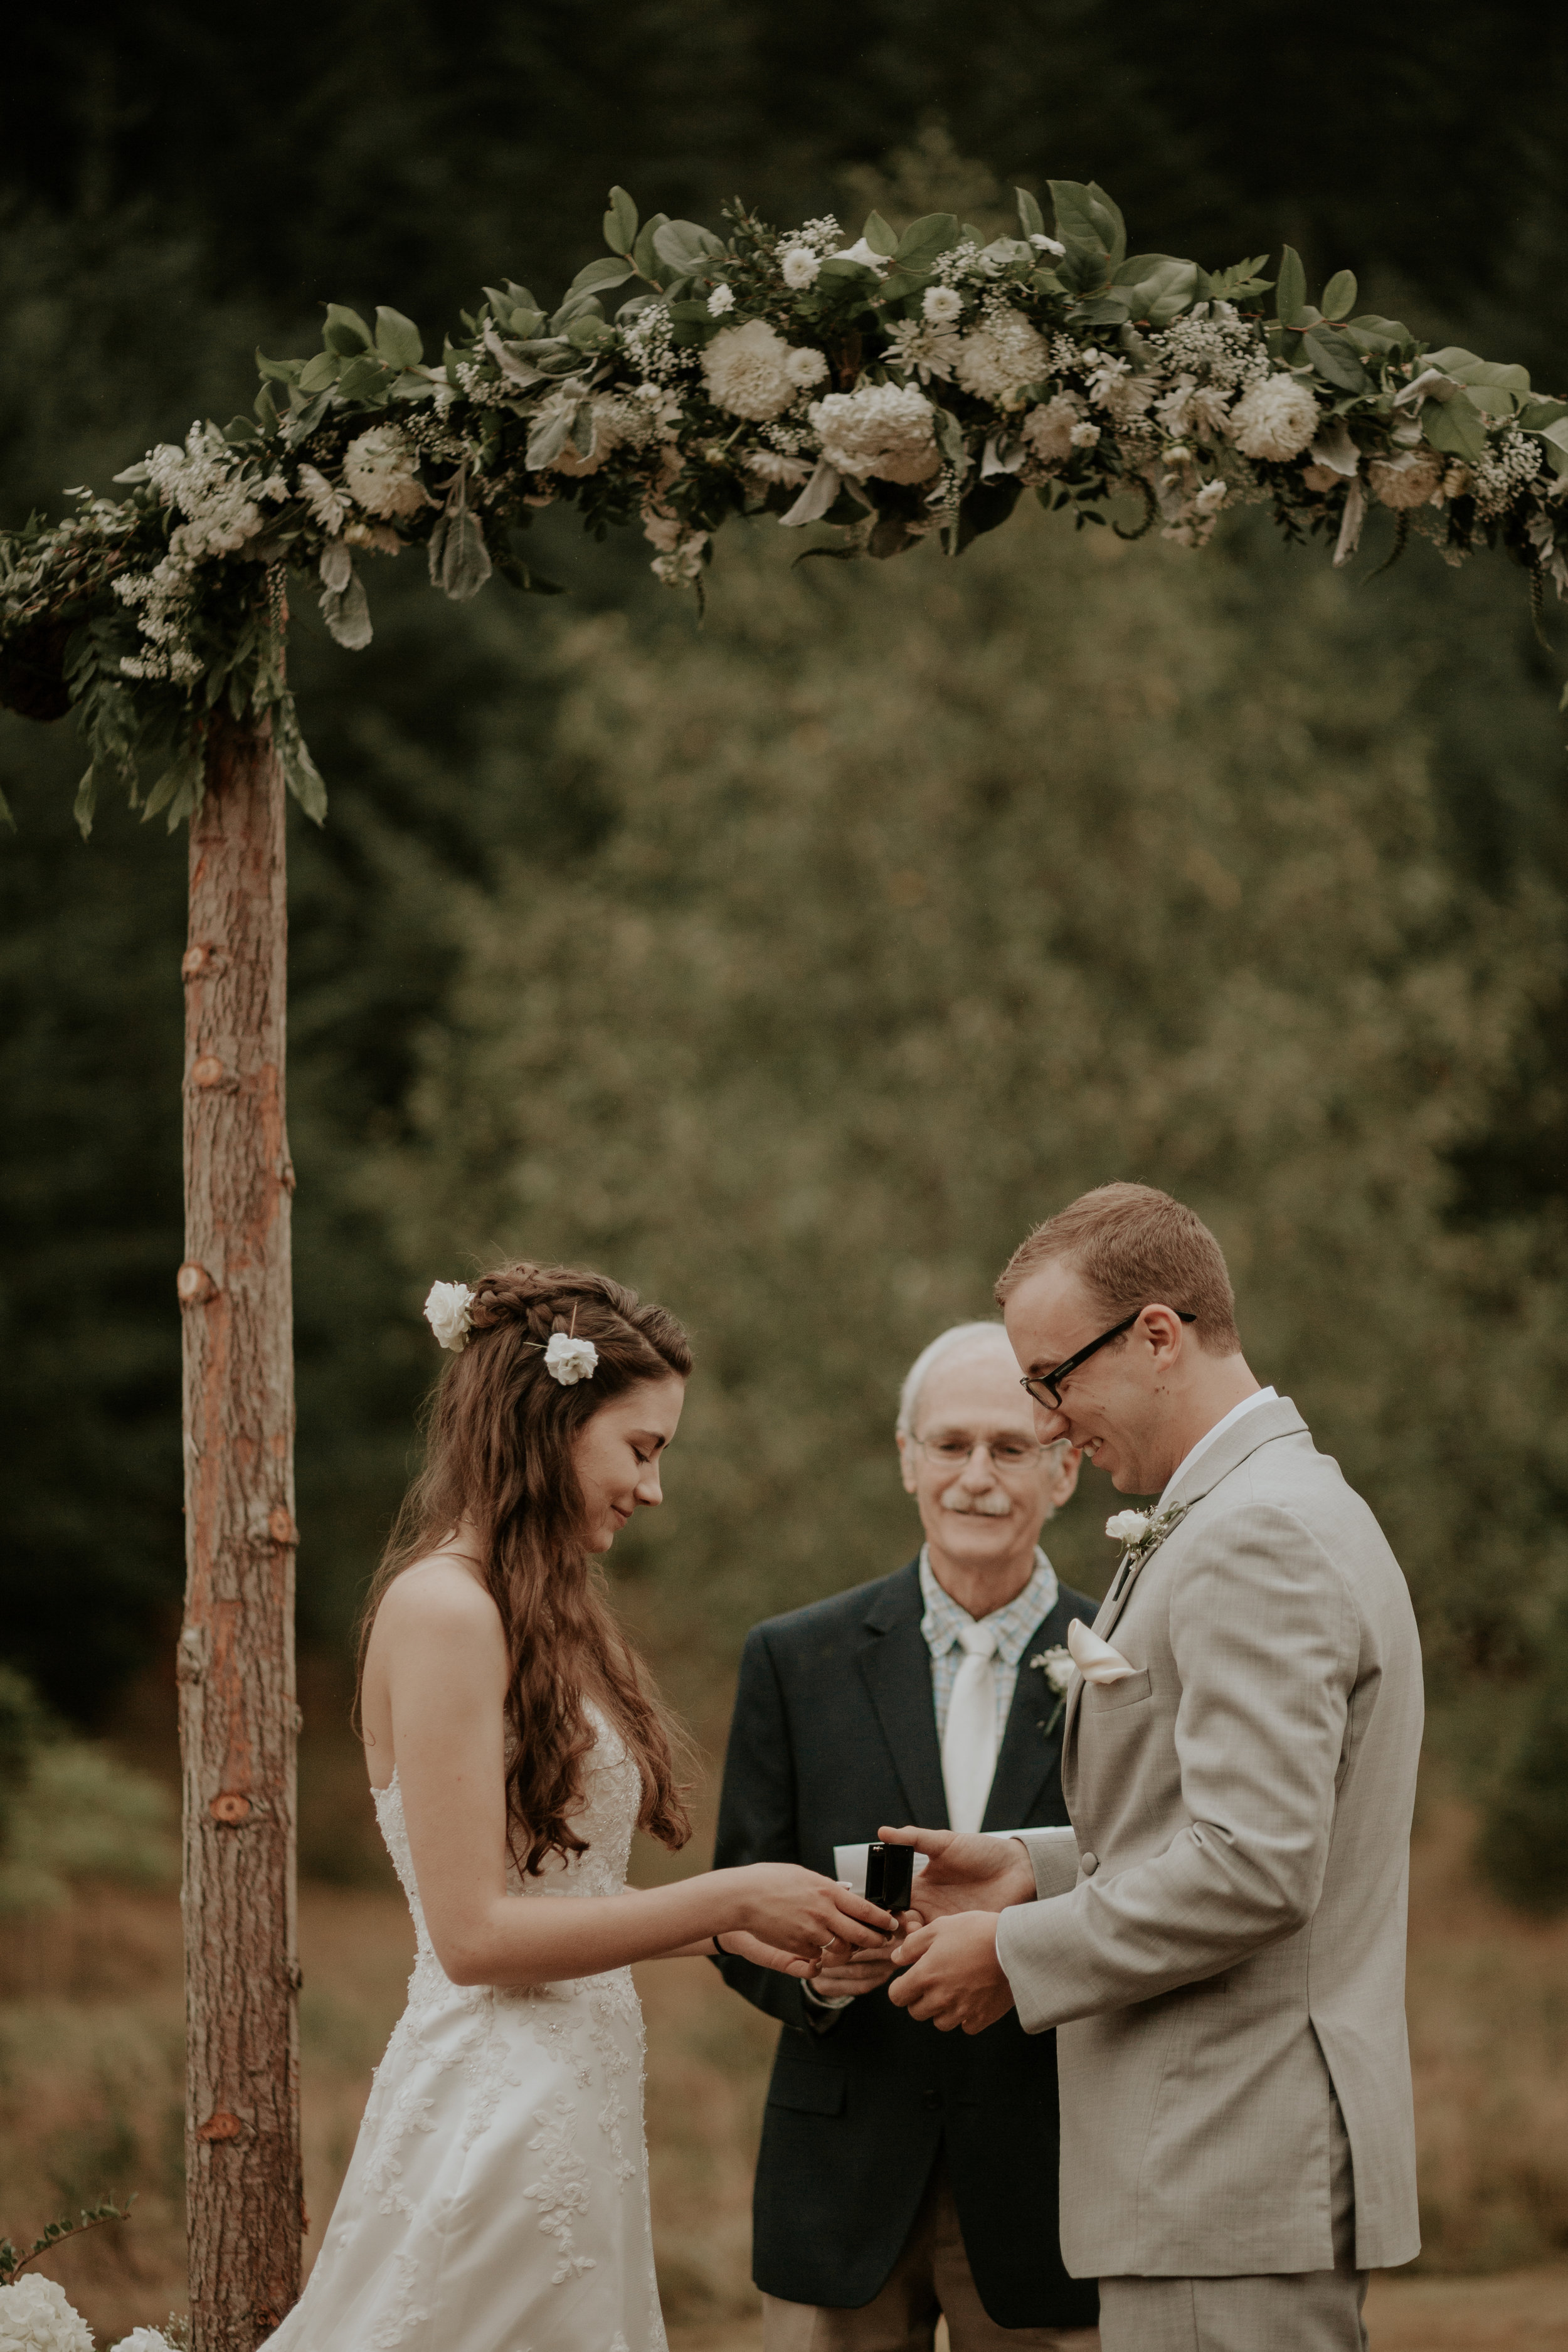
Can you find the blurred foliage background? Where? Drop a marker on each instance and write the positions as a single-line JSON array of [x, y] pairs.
[[791, 966]]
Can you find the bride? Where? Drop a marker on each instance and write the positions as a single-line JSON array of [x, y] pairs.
[[496, 2199]]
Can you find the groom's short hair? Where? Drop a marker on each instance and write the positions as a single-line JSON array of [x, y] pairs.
[[1136, 1247]]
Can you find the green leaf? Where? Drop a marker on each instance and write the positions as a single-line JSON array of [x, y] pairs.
[[1338, 294], [318, 373], [879, 235], [346, 612], [1536, 416], [648, 261], [925, 240], [86, 799], [398, 339], [362, 378], [345, 331], [277, 370], [1334, 357], [1087, 222], [1290, 296], [1456, 426], [1031, 219], [949, 436], [1493, 387], [602, 274], [621, 222], [1240, 279], [300, 772], [686, 246], [1156, 287]]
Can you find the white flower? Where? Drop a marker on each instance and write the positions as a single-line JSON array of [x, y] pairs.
[[34, 2316], [722, 298], [941, 305], [446, 1311], [805, 367], [1095, 1659], [1049, 429], [1058, 1666], [328, 507], [1042, 244], [884, 429], [746, 370], [569, 1360], [1084, 436], [772, 465], [860, 251], [1412, 480], [800, 265], [1127, 1526], [381, 469], [999, 358], [1276, 419], [1210, 498], [144, 2339]]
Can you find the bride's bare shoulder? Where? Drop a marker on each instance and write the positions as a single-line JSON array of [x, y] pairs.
[[438, 1598]]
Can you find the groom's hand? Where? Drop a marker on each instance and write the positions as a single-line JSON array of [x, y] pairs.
[[964, 1873], [952, 1976]]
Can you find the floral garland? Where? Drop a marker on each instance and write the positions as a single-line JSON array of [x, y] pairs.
[[894, 388]]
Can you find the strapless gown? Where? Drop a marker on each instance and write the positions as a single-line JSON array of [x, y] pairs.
[[497, 2199]]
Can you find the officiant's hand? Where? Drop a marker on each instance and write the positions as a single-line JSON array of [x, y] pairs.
[[964, 1873], [950, 1975]]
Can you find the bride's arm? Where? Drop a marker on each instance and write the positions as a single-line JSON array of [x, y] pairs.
[[441, 1644]]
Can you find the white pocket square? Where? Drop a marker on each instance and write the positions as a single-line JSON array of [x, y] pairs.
[[1096, 1661]]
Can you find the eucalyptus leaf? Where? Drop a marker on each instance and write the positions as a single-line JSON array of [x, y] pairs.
[[620, 222], [398, 339], [1291, 289]]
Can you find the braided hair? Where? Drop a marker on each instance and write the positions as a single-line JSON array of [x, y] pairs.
[[498, 1453]]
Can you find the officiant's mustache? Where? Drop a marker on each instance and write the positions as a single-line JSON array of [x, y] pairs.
[[993, 1504]]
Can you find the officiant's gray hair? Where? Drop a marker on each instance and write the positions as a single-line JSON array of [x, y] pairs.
[[963, 1340]]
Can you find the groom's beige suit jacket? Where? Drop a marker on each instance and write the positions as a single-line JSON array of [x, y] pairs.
[[1220, 1940]]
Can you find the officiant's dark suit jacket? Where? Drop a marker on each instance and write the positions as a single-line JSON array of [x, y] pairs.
[[835, 1734]]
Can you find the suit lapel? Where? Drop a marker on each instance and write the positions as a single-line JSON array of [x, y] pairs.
[[1027, 1758], [896, 1665]]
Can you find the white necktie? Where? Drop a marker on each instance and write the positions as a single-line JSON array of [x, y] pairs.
[[969, 1742]]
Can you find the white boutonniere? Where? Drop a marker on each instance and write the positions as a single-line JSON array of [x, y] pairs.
[[1142, 1532], [1057, 1668]]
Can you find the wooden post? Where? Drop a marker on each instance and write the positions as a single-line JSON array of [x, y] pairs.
[[238, 1713]]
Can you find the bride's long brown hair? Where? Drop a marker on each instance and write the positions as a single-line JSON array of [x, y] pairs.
[[499, 1433]]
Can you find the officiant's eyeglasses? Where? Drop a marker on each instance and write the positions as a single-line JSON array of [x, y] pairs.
[[1045, 1388]]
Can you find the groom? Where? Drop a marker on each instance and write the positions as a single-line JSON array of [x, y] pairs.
[[1221, 1945]]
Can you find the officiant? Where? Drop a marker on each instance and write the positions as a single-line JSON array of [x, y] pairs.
[[904, 2172]]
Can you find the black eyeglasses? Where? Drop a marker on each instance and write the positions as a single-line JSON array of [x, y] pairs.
[[1051, 1383]]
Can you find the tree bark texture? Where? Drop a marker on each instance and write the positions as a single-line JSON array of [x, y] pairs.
[[238, 1713]]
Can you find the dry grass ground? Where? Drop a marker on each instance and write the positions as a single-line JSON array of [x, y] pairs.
[[90, 2061]]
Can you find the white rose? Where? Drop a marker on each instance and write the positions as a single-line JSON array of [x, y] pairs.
[[1276, 419], [722, 298], [381, 471], [800, 265], [746, 370], [1127, 1526], [885, 429], [941, 305], [1411, 480], [803, 366], [447, 1313], [569, 1360], [34, 2316]]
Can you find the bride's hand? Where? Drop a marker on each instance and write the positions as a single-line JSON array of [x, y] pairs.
[[803, 1913], [767, 1956]]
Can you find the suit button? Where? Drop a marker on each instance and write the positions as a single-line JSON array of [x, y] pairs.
[[1088, 1864], [930, 2098]]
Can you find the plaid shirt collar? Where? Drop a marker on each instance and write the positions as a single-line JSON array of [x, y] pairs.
[[1012, 1625]]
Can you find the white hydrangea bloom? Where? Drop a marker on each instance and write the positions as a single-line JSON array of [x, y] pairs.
[[884, 429], [747, 371], [998, 358], [800, 265], [381, 472], [34, 2316], [1277, 418]]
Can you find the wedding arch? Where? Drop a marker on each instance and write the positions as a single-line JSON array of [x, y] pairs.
[[892, 388]]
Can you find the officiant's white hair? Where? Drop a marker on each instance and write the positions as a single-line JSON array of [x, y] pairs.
[[963, 1340]]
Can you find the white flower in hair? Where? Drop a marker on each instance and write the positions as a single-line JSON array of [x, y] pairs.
[[447, 1311], [569, 1360]]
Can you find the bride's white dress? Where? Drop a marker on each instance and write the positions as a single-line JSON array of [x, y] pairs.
[[496, 2199]]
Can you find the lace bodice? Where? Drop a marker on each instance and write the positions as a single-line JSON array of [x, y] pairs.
[[612, 1796]]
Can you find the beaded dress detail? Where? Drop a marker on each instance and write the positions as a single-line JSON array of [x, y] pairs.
[[497, 2198]]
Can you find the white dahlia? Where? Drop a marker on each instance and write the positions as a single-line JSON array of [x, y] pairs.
[[380, 471], [1276, 419], [995, 361], [1412, 479], [746, 370], [884, 429]]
